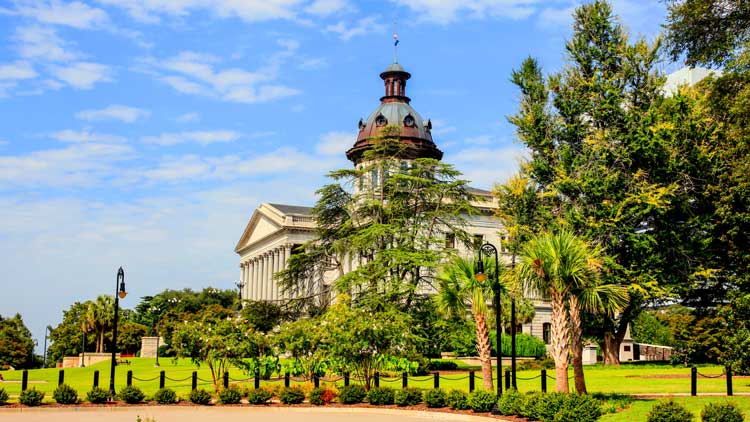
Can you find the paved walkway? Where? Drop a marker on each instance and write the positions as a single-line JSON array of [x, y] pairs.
[[227, 414]]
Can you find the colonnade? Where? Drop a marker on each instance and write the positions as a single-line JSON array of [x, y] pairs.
[[256, 274]]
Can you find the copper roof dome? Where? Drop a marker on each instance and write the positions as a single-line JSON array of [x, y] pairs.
[[394, 110]]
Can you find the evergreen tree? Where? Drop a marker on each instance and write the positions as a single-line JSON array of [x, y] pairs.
[[16, 344]]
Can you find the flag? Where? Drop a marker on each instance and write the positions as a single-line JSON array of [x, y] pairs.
[[395, 37]]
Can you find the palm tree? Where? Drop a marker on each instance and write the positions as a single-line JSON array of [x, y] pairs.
[[606, 299], [99, 317], [555, 265], [457, 288]]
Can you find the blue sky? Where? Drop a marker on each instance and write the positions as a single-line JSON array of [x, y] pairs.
[[143, 133]]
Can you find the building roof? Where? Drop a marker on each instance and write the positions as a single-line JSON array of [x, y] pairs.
[[292, 209], [395, 110]]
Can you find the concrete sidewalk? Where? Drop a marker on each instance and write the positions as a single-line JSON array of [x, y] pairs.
[[227, 414]]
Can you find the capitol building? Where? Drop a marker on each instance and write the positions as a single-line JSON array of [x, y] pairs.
[[275, 231]]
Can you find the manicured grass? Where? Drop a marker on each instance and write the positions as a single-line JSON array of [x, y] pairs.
[[626, 379], [638, 410]]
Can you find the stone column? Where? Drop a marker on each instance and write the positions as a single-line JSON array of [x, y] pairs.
[[248, 280], [243, 267], [256, 272], [287, 254], [266, 270]]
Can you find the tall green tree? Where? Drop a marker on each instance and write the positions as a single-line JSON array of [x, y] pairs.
[[391, 225], [16, 344], [709, 32], [594, 159]]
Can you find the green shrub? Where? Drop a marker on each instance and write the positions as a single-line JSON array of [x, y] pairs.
[[579, 408], [352, 394], [292, 395], [259, 396], [97, 395], [510, 403], [669, 411], [131, 394], [3, 396], [408, 397], [482, 401], [231, 395], [442, 365], [457, 400], [200, 396], [530, 405], [435, 398], [31, 397], [65, 394], [549, 404], [380, 396], [321, 396], [722, 412], [165, 396]]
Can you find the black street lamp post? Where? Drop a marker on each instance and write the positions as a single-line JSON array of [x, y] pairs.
[[47, 330], [83, 350], [120, 293], [490, 250]]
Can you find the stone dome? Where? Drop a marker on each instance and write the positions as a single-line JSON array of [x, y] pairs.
[[395, 110]]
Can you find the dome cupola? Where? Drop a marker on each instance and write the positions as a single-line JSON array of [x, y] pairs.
[[395, 110]]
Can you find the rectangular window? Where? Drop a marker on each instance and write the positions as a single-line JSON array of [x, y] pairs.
[[478, 240], [546, 332], [374, 175], [450, 241], [627, 348]]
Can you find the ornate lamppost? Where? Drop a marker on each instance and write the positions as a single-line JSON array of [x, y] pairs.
[[490, 250], [120, 293]]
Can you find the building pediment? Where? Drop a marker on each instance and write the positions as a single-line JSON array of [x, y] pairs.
[[269, 219]]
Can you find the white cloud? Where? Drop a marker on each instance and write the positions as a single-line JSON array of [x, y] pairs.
[[364, 26], [199, 137], [335, 143], [441, 127], [82, 75], [188, 118], [43, 43], [114, 112], [80, 136], [198, 74], [447, 11], [326, 7], [149, 11], [17, 71], [479, 140], [75, 14], [484, 166], [79, 164]]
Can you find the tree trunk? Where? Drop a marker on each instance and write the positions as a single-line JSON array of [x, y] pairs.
[[576, 341], [100, 342], [611, 349], [484, 350], [560, 342]]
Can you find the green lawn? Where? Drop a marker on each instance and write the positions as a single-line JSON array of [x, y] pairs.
[[627, 379]]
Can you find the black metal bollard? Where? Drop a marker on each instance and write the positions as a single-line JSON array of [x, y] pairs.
[[96, 378], [507, 380], [194, 384], [436, 380], [693, 381], [130, 378], [162, 376], [226, 379], [471, 381], [316, 381], [729, 381], [404, 380], [256, 379], [25, 380], [61, 377], [286, 379], [544, 380], [346, 378], [377, 379]]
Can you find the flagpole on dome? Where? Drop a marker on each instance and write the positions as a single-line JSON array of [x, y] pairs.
[[395, 44]]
